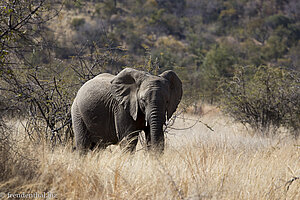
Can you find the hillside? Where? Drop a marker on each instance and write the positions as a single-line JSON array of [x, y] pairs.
[[237, 127], [203, 38], [205, 42]]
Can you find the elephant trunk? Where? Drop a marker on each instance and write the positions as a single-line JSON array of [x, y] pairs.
[[157, 119]]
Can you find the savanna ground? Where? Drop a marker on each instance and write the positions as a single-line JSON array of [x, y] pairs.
[[222, 161]]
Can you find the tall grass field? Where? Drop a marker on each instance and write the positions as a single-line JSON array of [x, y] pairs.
[[208, 157]]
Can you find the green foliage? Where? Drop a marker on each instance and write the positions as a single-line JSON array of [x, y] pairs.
[[264, 97], [169, 52], [228, 17], [151, 65], [274, 21], [275, 48], [218, 64], [256, 28], [175, 7], [165, 22], [109, 7], [294, 56], [220, 60], [204, 39], [77, 23], [70, 4]]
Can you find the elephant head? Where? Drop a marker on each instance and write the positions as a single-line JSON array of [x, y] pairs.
[[157, 97]]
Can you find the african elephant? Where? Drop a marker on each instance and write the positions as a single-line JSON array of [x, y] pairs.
[[108, 109]]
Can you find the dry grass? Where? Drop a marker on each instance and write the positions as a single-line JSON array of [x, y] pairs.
[[198, 163]]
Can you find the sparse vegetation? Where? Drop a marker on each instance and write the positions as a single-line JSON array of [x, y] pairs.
[[264, 97], [48, 49]]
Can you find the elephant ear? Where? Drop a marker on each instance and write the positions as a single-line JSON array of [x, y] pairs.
[[175, 91], [124, 88]]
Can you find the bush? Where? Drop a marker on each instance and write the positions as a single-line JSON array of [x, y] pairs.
[[277, 20], [77, 23], [264, 97]]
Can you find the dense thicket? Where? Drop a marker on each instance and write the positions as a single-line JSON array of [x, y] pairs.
[[264, 97], [49, 48]]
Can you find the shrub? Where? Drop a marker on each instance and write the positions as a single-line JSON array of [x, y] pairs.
[[264, 97], [77, 22], [277, 20]]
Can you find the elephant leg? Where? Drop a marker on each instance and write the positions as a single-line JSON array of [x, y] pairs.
[[82, 141], [127, 130]]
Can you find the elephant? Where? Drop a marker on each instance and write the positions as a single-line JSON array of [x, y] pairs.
[[109, 109]]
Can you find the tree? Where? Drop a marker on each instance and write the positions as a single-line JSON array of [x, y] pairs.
[[25, 79], [21, 23], [175, 7], [264, 97]]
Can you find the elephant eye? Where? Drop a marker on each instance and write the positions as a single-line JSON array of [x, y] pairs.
[[143, 103]]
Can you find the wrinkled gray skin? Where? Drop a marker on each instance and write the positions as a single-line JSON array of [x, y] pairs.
[[108, 109]]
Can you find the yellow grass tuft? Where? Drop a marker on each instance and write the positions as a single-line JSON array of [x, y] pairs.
[[197, 164]]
